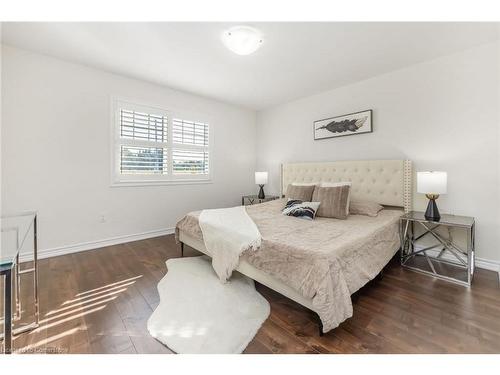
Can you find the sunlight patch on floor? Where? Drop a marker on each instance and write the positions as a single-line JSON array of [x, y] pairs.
[[69, 318], [84, 303], [87, 299], [48, 340], [109, 285], [80, 308]]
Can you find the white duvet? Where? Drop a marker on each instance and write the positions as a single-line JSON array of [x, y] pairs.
[[227, 233]]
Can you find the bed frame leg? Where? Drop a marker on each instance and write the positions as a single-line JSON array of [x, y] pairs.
[[355, 297], [182, 249], [320, 326], [380, 276]]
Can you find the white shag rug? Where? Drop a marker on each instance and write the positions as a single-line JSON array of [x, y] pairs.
[[198, 314]]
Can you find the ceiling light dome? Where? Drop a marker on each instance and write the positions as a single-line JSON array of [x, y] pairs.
[[242, 40]]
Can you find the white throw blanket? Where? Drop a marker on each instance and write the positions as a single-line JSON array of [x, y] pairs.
[[227, 233]]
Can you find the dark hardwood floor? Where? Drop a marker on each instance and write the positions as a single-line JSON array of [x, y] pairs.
[[99, 302]]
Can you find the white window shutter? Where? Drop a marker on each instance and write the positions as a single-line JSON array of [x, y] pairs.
[[190, 147], [152, 146], [141, 129]]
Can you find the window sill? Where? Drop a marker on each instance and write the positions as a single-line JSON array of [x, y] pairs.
[[160, 183]]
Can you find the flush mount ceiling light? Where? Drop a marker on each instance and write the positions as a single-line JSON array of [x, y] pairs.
[[242, 40]]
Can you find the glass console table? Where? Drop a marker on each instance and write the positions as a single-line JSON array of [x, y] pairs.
[[15, 230]]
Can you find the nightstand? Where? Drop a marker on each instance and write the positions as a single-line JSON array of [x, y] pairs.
[[247, 200], [443, 257]]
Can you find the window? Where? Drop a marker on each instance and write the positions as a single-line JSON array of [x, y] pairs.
[[190, 147], [157, 146]]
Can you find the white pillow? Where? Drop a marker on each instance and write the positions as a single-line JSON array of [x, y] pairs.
[[340, 183]]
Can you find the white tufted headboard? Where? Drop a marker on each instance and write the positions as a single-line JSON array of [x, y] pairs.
[[387, 182]]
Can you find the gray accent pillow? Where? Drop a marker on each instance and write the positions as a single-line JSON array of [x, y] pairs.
[[300, 192], [340, 183], [365, 208], [334, 201]]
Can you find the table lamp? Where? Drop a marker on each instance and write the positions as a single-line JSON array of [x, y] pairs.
[[261, 180], [432, 184]]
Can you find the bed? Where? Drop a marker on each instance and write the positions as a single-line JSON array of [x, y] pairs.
[[321, 263]]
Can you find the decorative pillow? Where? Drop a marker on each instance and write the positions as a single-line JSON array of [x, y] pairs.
[[300, 192], [365, 208], [303, 210], [333, 201], [341, 183]]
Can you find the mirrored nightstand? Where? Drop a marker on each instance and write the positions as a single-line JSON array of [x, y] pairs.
[[247, 200], [442, 257]]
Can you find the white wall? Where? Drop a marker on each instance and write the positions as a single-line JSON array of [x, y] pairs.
[[56, 152], [442, 114]]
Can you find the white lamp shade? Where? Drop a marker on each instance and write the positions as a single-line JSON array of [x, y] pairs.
[[260, 178], [432, 182]]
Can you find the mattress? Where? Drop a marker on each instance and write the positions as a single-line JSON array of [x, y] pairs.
[[325, 260]]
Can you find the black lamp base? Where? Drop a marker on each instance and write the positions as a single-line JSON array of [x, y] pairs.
[[432, 212], [261, 192]]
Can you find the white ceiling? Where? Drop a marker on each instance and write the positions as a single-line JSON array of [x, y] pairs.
[[296, 59]]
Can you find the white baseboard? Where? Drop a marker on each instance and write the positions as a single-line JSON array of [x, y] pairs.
[[487, 264], [84, 246]]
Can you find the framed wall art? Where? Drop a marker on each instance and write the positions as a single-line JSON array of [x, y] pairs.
[[339, 126]]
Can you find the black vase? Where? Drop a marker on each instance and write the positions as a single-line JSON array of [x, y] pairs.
[[432, 212], [261, 192]]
